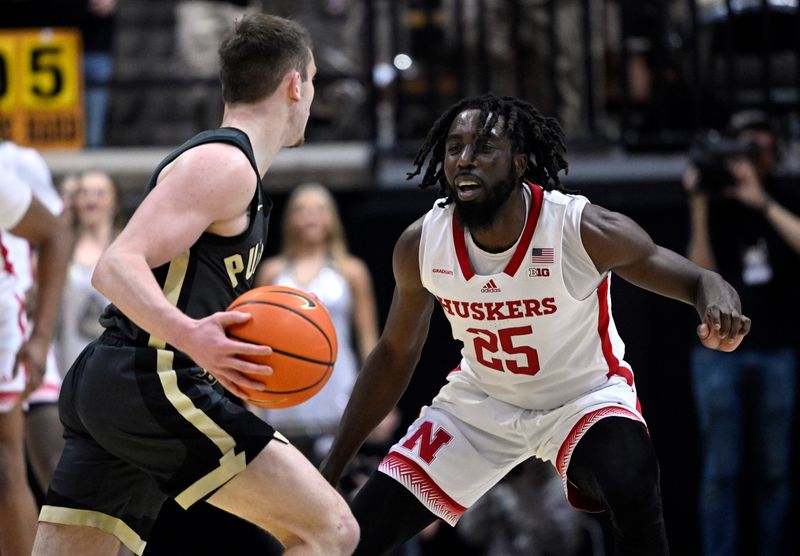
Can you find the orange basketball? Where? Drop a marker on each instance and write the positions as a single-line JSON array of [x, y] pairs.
[[299, 330]]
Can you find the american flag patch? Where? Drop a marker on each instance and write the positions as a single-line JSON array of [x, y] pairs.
[[542, 255]]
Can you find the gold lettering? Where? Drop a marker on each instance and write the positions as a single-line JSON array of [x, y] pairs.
[[252, 261], [234, 265]]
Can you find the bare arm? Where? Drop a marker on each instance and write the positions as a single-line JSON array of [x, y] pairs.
[[749, 191], [785, 222], [365, 315], [52, 237], [699, 249], [616, 243], [208, 188], [389, 367]]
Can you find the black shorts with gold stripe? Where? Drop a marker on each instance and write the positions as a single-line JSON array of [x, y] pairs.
[[137, 431]]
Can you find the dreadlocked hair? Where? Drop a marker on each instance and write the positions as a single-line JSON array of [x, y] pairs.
[[538, 136]]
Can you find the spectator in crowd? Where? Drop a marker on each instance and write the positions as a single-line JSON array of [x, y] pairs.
[[23, 356], [67, 188], [741, 227], [96, 209], [314, 257], [98, 65]]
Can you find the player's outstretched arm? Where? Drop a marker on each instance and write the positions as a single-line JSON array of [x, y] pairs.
[[207, 188], [389, 367], [616, 243]]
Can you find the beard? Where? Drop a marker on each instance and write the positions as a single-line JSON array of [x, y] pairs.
[[478, 215]]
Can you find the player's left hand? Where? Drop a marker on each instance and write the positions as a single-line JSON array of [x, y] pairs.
[[33, 357], [722, 329]]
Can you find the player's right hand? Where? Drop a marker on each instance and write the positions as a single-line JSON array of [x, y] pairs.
[[208, 345], [722, 330]]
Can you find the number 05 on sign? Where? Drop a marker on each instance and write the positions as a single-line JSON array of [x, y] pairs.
[[41, 88]]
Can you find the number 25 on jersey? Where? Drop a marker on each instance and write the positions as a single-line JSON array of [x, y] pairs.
[[491, 346]]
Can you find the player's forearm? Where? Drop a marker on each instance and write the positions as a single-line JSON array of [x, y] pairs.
[[379, 387], [52, 264], [127, 281]]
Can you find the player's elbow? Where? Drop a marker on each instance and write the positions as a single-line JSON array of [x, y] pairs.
[[102, 276], [98, 274]]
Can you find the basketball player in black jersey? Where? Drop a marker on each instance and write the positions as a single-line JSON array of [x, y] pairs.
[[143, 407]]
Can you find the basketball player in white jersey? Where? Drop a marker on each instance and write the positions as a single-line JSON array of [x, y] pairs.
[[23, 357], [521, 270], [43, 430]]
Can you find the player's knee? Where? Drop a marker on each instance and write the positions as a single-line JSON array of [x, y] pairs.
[[341, 535], [635, 487], [350, 534]]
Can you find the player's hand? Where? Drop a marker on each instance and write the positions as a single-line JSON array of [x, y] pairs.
[[32, 356], [209, 346], [722, 329]]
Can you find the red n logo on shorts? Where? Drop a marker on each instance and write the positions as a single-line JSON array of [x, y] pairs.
[[429, 443]]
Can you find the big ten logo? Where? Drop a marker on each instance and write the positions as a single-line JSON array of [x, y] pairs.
[[41, 87], [235, 266], [538, 272], [427, 442]]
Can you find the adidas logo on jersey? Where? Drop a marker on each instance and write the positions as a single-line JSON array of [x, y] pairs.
[[490, 287]]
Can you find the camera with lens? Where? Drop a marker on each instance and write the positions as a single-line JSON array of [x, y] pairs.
[[711, 152]]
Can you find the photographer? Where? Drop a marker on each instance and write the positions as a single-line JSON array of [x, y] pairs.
[[741, 228]]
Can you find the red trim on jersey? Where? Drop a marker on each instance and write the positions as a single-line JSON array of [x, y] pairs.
[[409, 474], [9, 397], [576, 498], [7, 266], [603, 322], [461, 248], [48, 388], [21, 315], [537, 195]]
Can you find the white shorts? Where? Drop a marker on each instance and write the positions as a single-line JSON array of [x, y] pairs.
[[13, 327], [13, 324], [465, 442], [50, 388]]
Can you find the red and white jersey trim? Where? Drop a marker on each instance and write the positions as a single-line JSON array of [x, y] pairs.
[[409, 474]]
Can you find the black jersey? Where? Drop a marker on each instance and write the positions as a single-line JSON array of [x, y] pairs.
[[216, 269]]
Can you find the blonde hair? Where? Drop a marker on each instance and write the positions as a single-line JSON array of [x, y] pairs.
[[336, 242]]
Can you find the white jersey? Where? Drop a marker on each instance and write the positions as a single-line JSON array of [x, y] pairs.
[[529, 339], [30, 169], [15, 199], [24, 174]]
